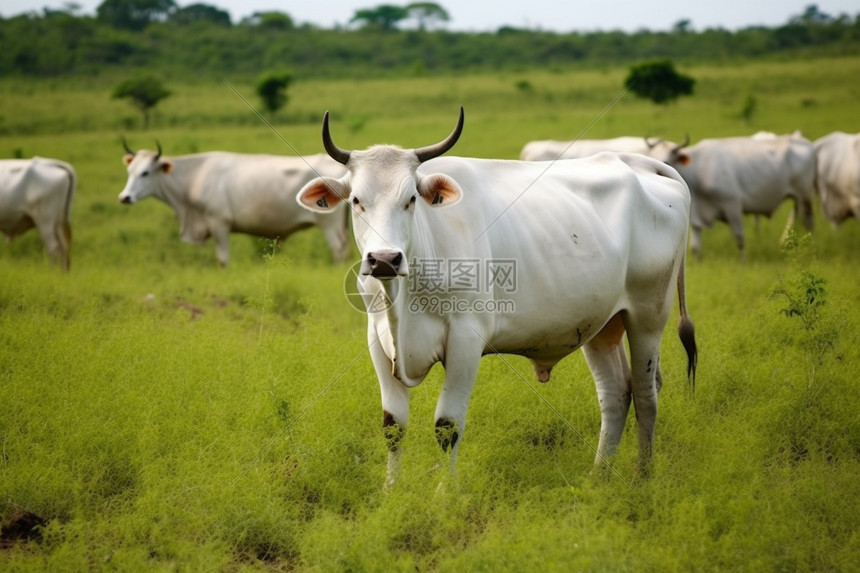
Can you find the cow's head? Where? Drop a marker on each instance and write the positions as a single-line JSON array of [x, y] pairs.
[[144, 167], [674, 155], [659, 148], [384, 190]]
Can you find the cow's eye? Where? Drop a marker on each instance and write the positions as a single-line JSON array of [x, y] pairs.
[[355, 201], [411, 202], [357, 204], [144, 174]]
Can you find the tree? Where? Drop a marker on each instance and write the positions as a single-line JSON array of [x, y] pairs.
[[272, 89], [384, 16], [134, 14], [144, 92], [427, 13], [272, 20], [684, 26], [200, 13], [812, 16], [658, 81]]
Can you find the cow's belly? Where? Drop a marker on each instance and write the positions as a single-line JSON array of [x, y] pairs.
[[13, 224], [763, 204], [268, 228], [272, 220], [553, 334]]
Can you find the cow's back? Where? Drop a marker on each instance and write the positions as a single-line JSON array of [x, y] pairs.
[[549, 150], [256, 192], [574, 227], [755, 174]]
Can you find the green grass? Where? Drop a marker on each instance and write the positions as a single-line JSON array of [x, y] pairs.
[[164, 414]]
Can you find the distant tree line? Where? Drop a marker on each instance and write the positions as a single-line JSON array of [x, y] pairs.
[[201, 39]]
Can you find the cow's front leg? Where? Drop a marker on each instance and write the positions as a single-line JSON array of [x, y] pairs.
[[221, 234], [735, 218], [395, 405], [696, 241], [462, 358]]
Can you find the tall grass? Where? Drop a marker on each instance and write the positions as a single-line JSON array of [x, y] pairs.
[[161, 413]]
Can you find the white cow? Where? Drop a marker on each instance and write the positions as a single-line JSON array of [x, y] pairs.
[[766, 135], [217, 193], [550, 149], [733, 176], [592, 248], [38, 193], [838, 157]]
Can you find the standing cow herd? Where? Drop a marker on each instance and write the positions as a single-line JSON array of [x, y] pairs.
[[600, 228], [736, 176], [218, 193]]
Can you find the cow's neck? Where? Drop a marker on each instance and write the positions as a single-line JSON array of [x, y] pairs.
[[175, 187], [421, 248]]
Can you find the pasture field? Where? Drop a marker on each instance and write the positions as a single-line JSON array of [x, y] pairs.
[[160, 413]]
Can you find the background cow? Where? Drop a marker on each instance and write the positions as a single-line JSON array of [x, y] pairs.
[[765, 135], [838, 164], [597, 246], [733, 176], [550, 149], [217, 193], [38, 193]]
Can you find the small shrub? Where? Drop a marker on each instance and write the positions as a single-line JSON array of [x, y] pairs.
[[805, 296], [524, 86], [749, 108], [272, 89], [658, 81]]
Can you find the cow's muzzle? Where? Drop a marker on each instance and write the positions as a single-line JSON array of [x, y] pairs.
[[125, 200], [385, 264]]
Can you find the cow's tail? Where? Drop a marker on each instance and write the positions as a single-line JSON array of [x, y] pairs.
[[65, 225], [686, 331]]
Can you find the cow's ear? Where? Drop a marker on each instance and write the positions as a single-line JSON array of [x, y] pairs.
[[683, 159], [439, 190], [322, 194], [166, 166], [127, 158]]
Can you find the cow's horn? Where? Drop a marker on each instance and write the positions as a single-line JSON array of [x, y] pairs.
[[158, 145], [651, 145], [128, 149], [335, 152], [431, 151], [686, 142]]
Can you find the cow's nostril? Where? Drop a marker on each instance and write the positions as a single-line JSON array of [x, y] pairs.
[[383, 264], [126, 200]]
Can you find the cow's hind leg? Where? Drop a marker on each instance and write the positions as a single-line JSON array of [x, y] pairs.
[[608, 363], [64, 236], [645, 372], [55, 242]]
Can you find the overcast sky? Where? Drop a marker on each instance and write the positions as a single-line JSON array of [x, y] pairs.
[[555, 15]]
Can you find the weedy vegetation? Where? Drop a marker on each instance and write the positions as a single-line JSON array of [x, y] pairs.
[[160, 413]]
